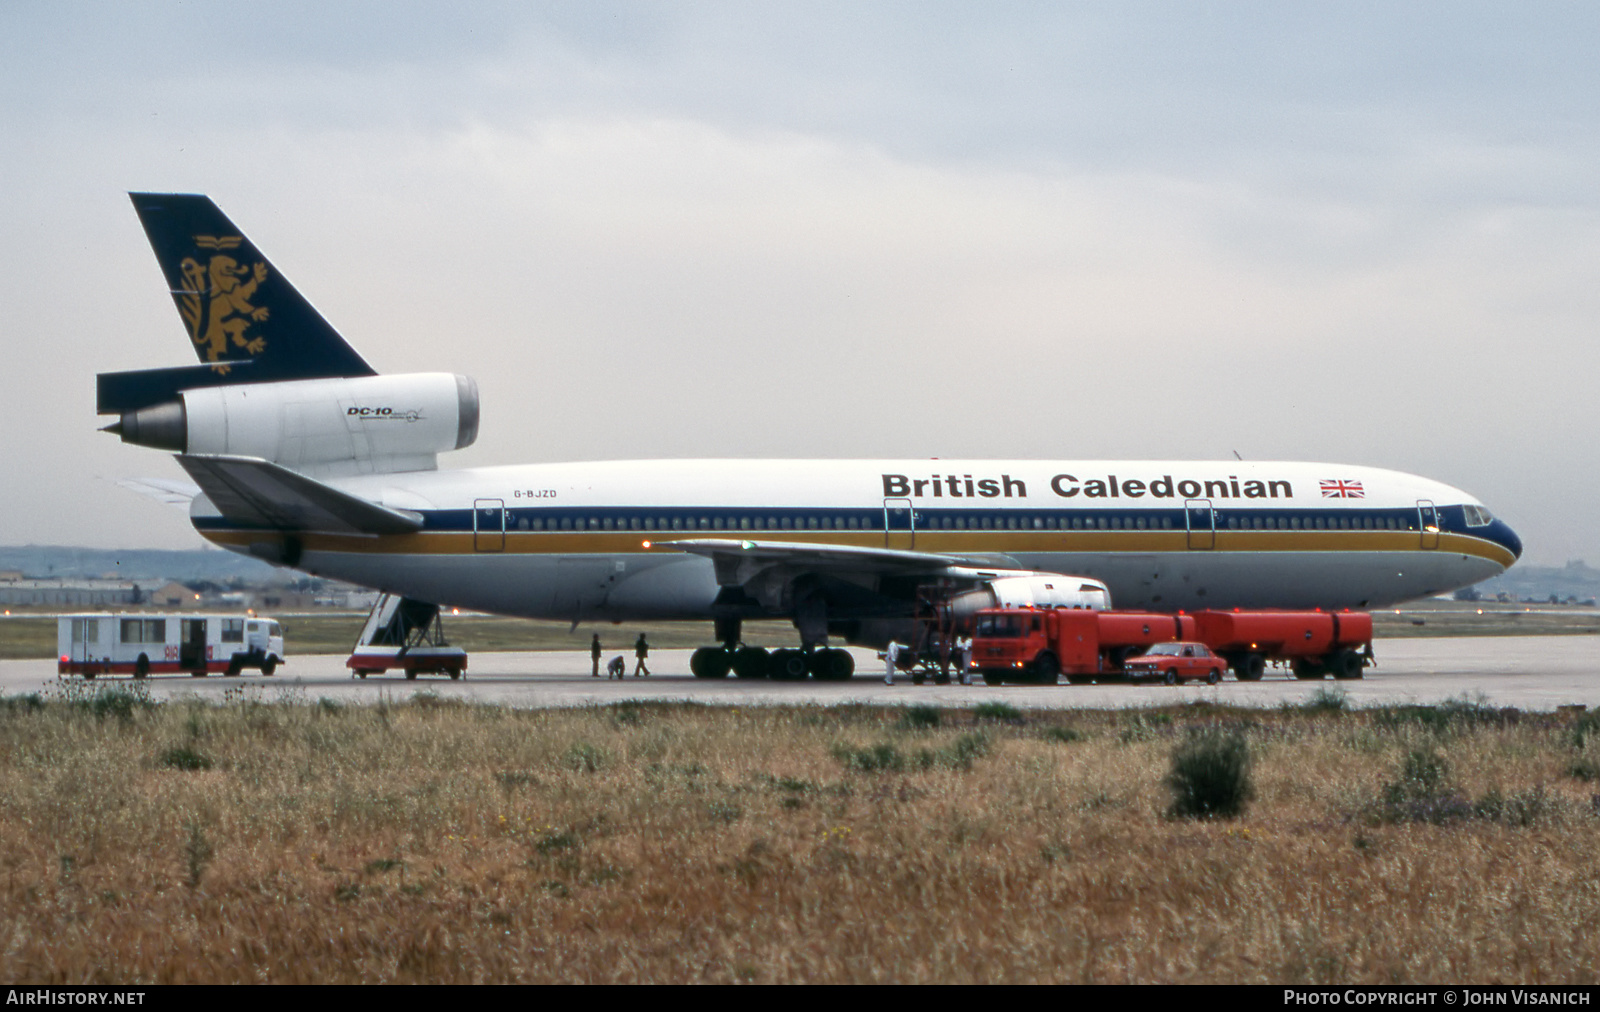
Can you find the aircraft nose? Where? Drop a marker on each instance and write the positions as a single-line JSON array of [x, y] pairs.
[[1508, 537]]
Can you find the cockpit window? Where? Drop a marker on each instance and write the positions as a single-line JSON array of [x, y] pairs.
[[1477, 516]]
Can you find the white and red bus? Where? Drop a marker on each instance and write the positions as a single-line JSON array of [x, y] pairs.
[[143, 643]]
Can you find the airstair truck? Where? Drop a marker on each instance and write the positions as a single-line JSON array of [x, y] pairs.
[[405, 634]]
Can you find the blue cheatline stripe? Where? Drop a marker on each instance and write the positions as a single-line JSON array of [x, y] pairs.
[[779, 519]]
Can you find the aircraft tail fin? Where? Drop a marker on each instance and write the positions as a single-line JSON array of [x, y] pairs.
[[245, 321]]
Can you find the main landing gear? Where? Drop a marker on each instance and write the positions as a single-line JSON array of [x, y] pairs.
[[822, 663], [825, 665]]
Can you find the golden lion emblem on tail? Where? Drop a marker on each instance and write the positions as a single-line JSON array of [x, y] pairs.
[[215, 302]]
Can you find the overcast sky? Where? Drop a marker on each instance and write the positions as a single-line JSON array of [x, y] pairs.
[[1358, 233]]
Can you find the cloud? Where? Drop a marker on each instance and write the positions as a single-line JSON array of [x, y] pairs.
[[1151, 234]]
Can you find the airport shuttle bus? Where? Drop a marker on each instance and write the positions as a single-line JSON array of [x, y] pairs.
[[166, 642], [302, 454]]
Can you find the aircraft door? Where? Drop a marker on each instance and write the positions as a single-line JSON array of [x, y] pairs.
[[899, 524], [488, 525], [1200, 520], [1428, 514]]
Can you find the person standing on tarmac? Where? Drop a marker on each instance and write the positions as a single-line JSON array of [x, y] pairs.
[[641, 650], [594, 654], [891, 654], [964, 659]]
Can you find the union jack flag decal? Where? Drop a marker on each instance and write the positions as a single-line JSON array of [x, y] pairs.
[[1332, 489]]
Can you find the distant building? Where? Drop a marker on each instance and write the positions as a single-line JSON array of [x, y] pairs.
[[173, 595], [69, 593]]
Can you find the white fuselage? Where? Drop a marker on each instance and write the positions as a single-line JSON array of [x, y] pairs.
[[593, 541]]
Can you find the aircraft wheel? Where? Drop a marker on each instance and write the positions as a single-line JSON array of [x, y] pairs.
[[843, 665], [833, 665], [787, 665], [709, 662], [751, 662]]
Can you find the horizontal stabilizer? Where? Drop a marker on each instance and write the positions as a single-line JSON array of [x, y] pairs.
[[120, 392], [251, 492], [163, 490]]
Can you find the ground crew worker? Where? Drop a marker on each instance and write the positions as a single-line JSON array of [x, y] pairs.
[[891, 654], [594, 654], [617, 668], [641, 650], [964, 658]]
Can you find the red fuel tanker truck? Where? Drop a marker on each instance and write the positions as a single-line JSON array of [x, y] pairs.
[[1038, 644], [1311, 643]]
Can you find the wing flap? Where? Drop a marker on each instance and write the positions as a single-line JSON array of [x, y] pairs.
[[252, 492]]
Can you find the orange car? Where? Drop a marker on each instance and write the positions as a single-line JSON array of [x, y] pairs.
[[1173, 662]]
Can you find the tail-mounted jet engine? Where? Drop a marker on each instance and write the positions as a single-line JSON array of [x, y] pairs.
[[323, 427]]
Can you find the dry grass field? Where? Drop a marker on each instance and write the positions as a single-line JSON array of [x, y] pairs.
[[275, 838]]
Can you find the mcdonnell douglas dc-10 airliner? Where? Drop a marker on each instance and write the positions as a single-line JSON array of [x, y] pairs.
[[306, 457]]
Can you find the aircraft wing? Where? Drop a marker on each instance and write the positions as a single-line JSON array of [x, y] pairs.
[[737, 560], [253, 492]]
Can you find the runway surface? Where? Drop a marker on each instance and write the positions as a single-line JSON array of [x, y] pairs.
[[1529, 672]]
